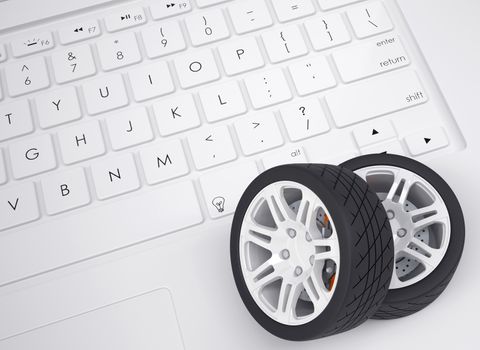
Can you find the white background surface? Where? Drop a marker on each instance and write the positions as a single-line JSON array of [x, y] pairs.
[[447, 31]]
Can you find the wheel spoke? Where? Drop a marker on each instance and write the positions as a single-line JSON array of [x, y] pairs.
[[331, 249], [429, 220], [287, 301], [401, 181], [261, 279], [303, 211], [278, 206], [432, 252], [424, 260], [264, 238]]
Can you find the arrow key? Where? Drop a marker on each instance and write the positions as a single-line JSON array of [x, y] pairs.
[[427, 141], [374, 132]]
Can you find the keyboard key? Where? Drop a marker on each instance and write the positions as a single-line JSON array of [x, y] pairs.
[[32, 43], [3, 54], [79, 31], [163, 39], [18, 205], [205, 3], [312, 75], [31, 253], [128, 17], [58, 107], [258, 133], [364, 60], [370, 19], [195, 68], [3, 171], [73, 63], [65, 191], [211, 147], [207, 27], [176, 114], [331, 4], [241, 55], [374, 132], [391, 147], [166, 8], [118, 51], [32, 156], [288, 10], [426, 141], [375, 97], [304, 119], [249, 15], [104, 94], [223, 188], [326, 32], [15, 119], [115, 176], [287, 155], [284, 44], [330, 148], [129, 128], [23, 77], [222, 101], [164, 161], [149, 81], [81, 141], [267, 88]]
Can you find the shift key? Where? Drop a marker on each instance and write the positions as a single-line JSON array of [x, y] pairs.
[[375, 97]]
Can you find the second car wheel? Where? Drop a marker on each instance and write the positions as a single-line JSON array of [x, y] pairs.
[[311, 250], [427, 226]]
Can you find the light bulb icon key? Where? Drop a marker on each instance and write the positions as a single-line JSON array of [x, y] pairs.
[[219, 203]]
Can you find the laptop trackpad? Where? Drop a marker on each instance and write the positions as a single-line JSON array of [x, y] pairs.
[[147, 321]]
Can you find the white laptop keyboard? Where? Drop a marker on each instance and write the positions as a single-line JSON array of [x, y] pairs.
[[186, 102]]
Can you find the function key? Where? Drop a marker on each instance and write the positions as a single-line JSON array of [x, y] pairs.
[[79, 31], [31, 43], [167, 8], [127, 18]]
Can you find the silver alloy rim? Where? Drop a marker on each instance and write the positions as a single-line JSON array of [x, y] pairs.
[[418, 217], [289, 253]]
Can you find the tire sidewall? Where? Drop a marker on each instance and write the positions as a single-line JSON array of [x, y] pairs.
[[457, 224], [325, 321]]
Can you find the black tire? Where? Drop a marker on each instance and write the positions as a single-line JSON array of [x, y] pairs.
[[366, 249], [408, 300]]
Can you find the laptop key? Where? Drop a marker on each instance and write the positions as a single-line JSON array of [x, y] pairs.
[[176, 114], [284, 44], [80, 142], [374, 132], [426, 141], [79, 31], [115, 176], [118, 51], [375, 97], [196, 68], [104, 94], [15, 119], [267, 88], [312, 75], [222, 101], [73, 63], [163, 39], [32, 156], [65, 191], [292, 9], [27, 76], [249, 15], [150, 214], [163, 8], [211, 147], [149, 81], [128, 17], [370, 19], [223, 188], [241, 55], [58, 107], [331, 4], [328, 31], [258, 133], [18, 205], [207, 27], [32, 43], [3, 54], [372, 58], [129, 128]]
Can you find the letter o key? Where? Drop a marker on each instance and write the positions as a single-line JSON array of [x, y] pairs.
[[195, 66]]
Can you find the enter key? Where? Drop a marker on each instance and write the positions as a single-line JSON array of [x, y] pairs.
[[371, 58]]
